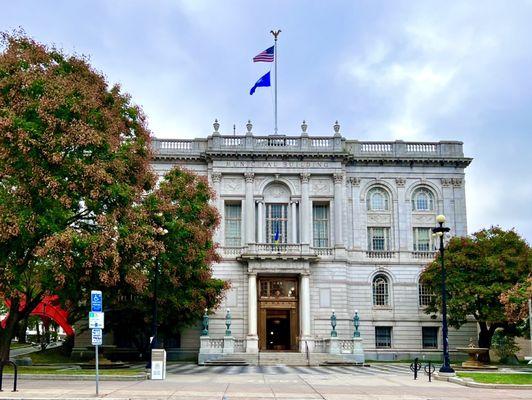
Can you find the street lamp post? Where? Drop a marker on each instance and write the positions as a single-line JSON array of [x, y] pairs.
[[154, 341], [440, 231]]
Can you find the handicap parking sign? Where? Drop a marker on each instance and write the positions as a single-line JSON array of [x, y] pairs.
[[96, 300]]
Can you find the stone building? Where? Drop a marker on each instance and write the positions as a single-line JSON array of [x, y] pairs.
[[312, 225]]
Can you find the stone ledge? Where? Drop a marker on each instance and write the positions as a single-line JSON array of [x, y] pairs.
[[470, 383]]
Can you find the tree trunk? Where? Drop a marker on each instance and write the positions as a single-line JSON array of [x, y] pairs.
[[22, 328], [8, 332], [484, 340]]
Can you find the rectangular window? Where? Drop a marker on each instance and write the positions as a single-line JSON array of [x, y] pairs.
[[430, 337], [383, 337], [422, 239], [378, 239], [276, 223], [320, 217], [233, 224]]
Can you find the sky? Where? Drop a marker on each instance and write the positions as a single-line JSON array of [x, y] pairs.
[[412, 70]]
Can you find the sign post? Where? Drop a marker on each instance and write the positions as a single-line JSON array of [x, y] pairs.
[[96, 323]]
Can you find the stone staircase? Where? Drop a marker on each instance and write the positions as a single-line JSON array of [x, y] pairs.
[[280, 358]]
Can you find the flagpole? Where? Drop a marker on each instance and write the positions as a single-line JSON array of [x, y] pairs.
[[275, 34]]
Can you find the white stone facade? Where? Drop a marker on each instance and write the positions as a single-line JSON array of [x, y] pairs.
[[336, 272]]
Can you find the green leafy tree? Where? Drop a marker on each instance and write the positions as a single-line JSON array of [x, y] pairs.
[[74, 157], [179, 221], [480, 268]]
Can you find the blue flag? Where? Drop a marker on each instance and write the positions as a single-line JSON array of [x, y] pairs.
[[263, 81], [276, 237]]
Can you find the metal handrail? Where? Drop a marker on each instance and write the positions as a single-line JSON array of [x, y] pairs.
[[307, 352], [4, 363]]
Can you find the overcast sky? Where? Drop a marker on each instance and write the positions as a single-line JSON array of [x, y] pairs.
[[412, 70]]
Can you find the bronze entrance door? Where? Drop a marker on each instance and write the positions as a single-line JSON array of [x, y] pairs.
[[278, 313]]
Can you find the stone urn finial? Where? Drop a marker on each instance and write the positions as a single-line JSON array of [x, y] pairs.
[[304, 127], [216, 126], [249, 126], [336, 128]]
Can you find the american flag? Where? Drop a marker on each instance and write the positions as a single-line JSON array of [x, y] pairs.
[[264, 56]]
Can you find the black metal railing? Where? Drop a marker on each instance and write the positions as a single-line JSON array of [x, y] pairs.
[[2, 365]]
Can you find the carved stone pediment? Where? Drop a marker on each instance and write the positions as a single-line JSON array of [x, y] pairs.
[[382, 219], [276, 193], [232, 185], [321, 186]]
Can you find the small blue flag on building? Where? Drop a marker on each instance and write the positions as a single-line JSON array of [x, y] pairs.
[[265, 56], [263, 81], [276, 237]]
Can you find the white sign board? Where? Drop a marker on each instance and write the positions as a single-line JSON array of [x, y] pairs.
[[96, 320], [97, 337], [158, 364]]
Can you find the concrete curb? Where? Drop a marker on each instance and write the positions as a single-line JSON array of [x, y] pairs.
[[470, 383], [67, 398], [53, 377]]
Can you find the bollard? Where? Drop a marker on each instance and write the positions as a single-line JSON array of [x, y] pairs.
[[429, 370], [4, 363], [415, 367]]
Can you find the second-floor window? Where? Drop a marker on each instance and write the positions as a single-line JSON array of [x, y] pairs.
[[233, 224], [422, 200], [320, 216], [422, 239], [378, 239], [276, 223], [377, 199]]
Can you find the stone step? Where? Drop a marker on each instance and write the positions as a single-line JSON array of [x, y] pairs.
[[227, 362]]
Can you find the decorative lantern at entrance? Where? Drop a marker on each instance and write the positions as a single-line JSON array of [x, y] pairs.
[[205, 331], [356, 323], [333, 324], [228, 323]]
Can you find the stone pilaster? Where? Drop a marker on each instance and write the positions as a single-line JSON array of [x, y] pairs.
[[305, 209], [252, 340], [338, 206], [249, 208], [304, 296], [216, 178]]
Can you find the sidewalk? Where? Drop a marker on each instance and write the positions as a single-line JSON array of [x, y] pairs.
[[262, 386]]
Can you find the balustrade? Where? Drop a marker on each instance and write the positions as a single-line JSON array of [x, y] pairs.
[[380, 254], [308, 144]]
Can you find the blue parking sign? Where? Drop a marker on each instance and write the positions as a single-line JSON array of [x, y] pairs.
[[96, 300]]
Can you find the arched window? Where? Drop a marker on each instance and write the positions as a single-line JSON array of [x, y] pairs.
[[377, 199], [425, 295], [422, 200], [380, 290]]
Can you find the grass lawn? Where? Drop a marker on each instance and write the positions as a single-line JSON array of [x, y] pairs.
[[49, 356], [489, 377], [16, 345]]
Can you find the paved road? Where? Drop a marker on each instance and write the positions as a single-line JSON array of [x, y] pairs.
[[374, 369]]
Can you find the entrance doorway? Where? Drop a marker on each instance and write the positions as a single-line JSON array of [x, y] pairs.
[[278, 313], [278, 330]]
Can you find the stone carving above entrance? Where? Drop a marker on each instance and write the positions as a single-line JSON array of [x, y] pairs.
[[321, 186], [276, 193]]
